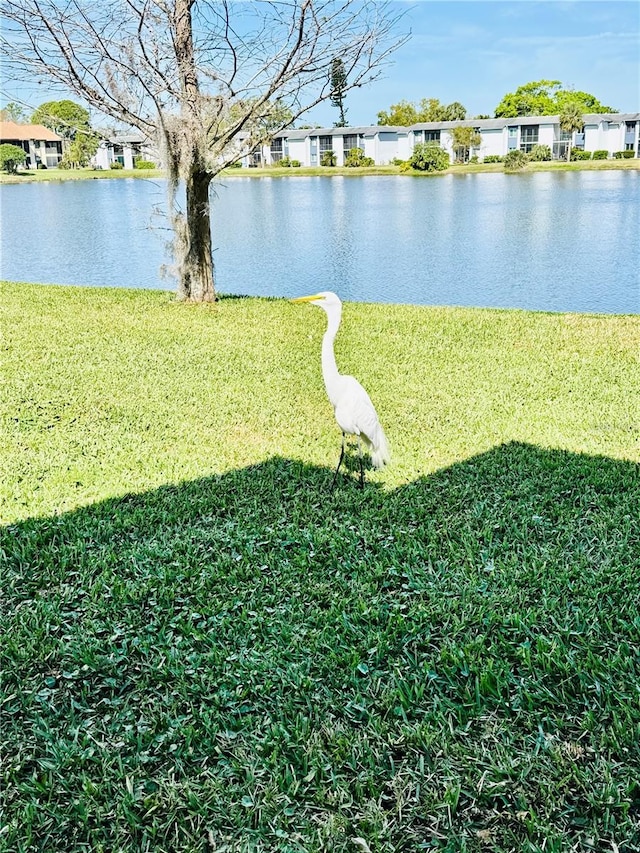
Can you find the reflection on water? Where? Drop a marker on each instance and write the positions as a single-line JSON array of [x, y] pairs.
[[551, 241]]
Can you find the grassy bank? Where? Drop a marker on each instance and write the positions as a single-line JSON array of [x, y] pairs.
[[77, 175], [205, 649], [321, 171], [457, 169]]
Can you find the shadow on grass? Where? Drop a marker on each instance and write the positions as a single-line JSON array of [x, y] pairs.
[[250, 662]]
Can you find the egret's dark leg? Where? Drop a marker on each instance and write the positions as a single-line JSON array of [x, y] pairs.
[[361, 463], [333, 483]]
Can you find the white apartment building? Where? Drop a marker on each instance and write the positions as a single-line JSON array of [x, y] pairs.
[[610, 132], [123, 148], [309, 146]]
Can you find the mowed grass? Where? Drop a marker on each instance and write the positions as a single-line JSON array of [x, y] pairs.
[[205, 649], [40, 175], [320, 171]]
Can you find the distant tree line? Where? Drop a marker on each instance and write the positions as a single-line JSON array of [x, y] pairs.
[[539, 98], [405, 113]]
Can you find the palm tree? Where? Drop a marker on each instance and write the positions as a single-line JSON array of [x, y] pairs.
[[570, 121]]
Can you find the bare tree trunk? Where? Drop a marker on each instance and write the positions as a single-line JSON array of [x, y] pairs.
[[252, 70], [196, 266], [196, 282]]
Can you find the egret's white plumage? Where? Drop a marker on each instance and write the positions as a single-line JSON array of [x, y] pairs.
[[352, 405]]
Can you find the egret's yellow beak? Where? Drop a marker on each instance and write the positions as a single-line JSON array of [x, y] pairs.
[[308, 298]]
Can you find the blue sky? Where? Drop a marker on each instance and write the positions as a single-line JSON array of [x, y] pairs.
[[475, 52]]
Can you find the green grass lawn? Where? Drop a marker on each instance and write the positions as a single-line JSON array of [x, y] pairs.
[[317, 171], [204, 649], [24, 176]]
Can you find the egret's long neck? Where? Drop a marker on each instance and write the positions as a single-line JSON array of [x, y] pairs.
[[329, 367]]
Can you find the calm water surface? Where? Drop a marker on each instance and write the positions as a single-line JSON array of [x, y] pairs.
[[554, 241]]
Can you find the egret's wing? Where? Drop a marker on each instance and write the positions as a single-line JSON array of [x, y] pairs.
[[354, 410]]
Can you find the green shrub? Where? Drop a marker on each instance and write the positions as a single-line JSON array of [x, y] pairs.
[[296, 164], [540, 153], [11, 156], [624, 155], [356, 157], [398, 162], [143, 164], [41, 166], [515, 160], [600, 154], [493, 158], [116, 165], [328, 158], [474, 159], [429, 157], [579, 154], [236, 165]]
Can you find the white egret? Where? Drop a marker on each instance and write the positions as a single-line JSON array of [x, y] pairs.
[[352, 406]]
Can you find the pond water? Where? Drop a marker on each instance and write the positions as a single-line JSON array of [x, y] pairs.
[[565, 241]]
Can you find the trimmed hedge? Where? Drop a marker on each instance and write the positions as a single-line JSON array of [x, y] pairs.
[[579, 154]]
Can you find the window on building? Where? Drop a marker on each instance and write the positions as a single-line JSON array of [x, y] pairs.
[[418, 137], [630, 134], [559, 151], [350, 140], [529, 137], [276, 150], [326, 144], [432, 136]]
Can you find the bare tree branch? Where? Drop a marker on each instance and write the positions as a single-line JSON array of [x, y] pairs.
[[206, 78]]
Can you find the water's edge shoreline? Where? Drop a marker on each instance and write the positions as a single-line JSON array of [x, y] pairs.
[[328, 172]]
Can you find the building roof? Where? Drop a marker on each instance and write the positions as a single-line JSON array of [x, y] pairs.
[[24, 132], [485, 123], [369, 130], [127, 139], [523, 121], [614, 117]]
